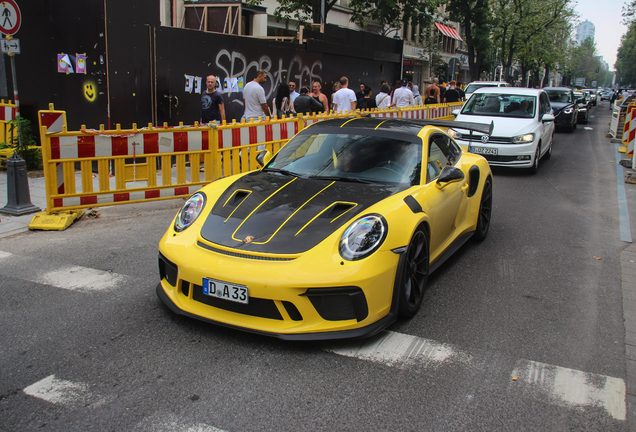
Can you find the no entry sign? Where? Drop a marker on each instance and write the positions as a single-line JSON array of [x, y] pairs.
[[10, 18]]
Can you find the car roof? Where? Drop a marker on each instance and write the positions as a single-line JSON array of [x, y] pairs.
[[557, 88], [490, 83], [510, 90]]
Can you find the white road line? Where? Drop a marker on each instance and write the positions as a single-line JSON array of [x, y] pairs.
[[172, 423], [558, 385], [5, 255], [401, 351], [569, 387], [57, 391], [81, 279]]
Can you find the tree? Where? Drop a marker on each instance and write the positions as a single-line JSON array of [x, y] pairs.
[[394, 13], [476, 17], [626, 58], [583, 62], [303, 11]]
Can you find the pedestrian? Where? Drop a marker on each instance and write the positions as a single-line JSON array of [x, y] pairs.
[[435, 88], [212, 107], [442, 89], [360, 94], [462, 94], [383, 99], [254, 98], [431, 98], [345, 99], [282, 104], [403, 97], [305, 104], [367, 102], [334, 90], [293, 94], [417, 97], [452, 95], [319, 96]]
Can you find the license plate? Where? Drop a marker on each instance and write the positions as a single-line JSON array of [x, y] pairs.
[[225, 290], [484, 151]]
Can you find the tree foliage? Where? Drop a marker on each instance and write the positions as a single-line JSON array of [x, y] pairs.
[[583, 62], [303, 11], [626, 58], [394, 13], [476, 17]]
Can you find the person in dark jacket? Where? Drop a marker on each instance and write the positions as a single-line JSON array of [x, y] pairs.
[[367, 102], [304, 103]]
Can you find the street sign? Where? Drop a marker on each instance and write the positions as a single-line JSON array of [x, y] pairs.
[[10, 19], [10, 46]]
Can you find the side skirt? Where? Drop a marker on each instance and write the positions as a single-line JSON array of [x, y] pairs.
[[454, 247]]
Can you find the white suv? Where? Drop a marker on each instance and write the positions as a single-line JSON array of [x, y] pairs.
[[523, 126], [470, 88]]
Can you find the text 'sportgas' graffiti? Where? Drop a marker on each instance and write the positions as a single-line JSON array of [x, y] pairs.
[[236, 67]]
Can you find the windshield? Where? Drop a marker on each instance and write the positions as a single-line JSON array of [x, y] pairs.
[[500, 105], [560, 96], [349, 157]]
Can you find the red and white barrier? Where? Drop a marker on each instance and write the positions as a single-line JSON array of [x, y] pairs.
[[121, 197], [235, 135]]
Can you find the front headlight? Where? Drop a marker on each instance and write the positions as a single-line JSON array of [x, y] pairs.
[[363, 237], [190, 211], [523, 138], [454, 133]]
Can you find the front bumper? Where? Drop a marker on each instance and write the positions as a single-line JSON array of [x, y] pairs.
[[508, 155], [310, 297]]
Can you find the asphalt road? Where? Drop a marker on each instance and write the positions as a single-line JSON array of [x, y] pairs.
[[521, 332]]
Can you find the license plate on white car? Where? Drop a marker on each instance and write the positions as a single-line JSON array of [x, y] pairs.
[[225, 290], [483, 151]]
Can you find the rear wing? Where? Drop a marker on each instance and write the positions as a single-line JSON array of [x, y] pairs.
[[473, 127]]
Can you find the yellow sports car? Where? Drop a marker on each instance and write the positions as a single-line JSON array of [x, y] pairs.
[[335, 237]]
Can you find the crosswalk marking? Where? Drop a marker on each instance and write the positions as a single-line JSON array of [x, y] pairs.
[[58, 391], [561, 386]]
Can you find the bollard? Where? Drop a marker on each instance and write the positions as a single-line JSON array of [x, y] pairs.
[[19, 198]]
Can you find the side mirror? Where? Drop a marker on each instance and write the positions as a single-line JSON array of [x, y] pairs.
[[547, 118], [263, 157], [449, 175]]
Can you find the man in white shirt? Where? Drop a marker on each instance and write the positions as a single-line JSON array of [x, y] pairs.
[[403, 96], [254, 98], [344, 100], [293, 94]]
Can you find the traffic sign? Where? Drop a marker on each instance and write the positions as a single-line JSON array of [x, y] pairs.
[[10, 19], [10, 46]]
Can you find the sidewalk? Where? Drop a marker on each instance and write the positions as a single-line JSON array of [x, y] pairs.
[[10, 225]]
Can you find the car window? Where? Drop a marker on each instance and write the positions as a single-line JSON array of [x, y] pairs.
[[501, 105], [442, 152], [472, 87], [560, 96], [546, 108], [347, 157]]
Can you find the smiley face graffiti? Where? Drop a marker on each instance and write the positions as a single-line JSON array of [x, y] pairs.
[[90, 92]]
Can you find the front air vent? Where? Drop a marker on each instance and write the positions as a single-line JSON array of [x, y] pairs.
[[338, 209]]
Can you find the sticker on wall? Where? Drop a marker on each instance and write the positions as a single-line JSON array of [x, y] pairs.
[[233, 85], [239, 82], [80, 63], [90, 92], [197, 85], [64, 64], [189, 83]]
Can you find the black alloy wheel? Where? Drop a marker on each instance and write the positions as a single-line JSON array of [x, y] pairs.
[[414, 275], [485, 212]]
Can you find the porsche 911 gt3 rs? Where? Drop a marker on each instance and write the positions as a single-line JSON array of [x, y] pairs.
[[334, 237]]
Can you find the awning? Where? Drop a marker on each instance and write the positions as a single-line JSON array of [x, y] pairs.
[[448, 31]]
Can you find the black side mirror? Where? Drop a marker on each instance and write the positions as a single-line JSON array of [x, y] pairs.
[[263, 157], [448, 175]]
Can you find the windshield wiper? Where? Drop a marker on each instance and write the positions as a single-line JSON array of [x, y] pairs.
[[282, 171], [345, 179]]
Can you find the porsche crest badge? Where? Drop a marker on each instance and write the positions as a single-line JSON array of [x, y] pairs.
[[248, 239]]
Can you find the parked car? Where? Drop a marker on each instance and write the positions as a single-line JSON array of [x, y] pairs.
[[523, 126], [593, 95], [470, 88], [583, 104], [335, 237], [564, 107]]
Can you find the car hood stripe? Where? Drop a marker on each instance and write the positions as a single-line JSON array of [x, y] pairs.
[[274, 213]]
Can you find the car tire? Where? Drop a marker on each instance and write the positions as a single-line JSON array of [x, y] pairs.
[[535, 164], [414, 275], [485, 212]]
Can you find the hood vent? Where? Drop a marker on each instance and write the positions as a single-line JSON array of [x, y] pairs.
[[337, 210]]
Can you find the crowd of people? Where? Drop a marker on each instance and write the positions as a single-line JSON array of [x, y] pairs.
[[288, 101]]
